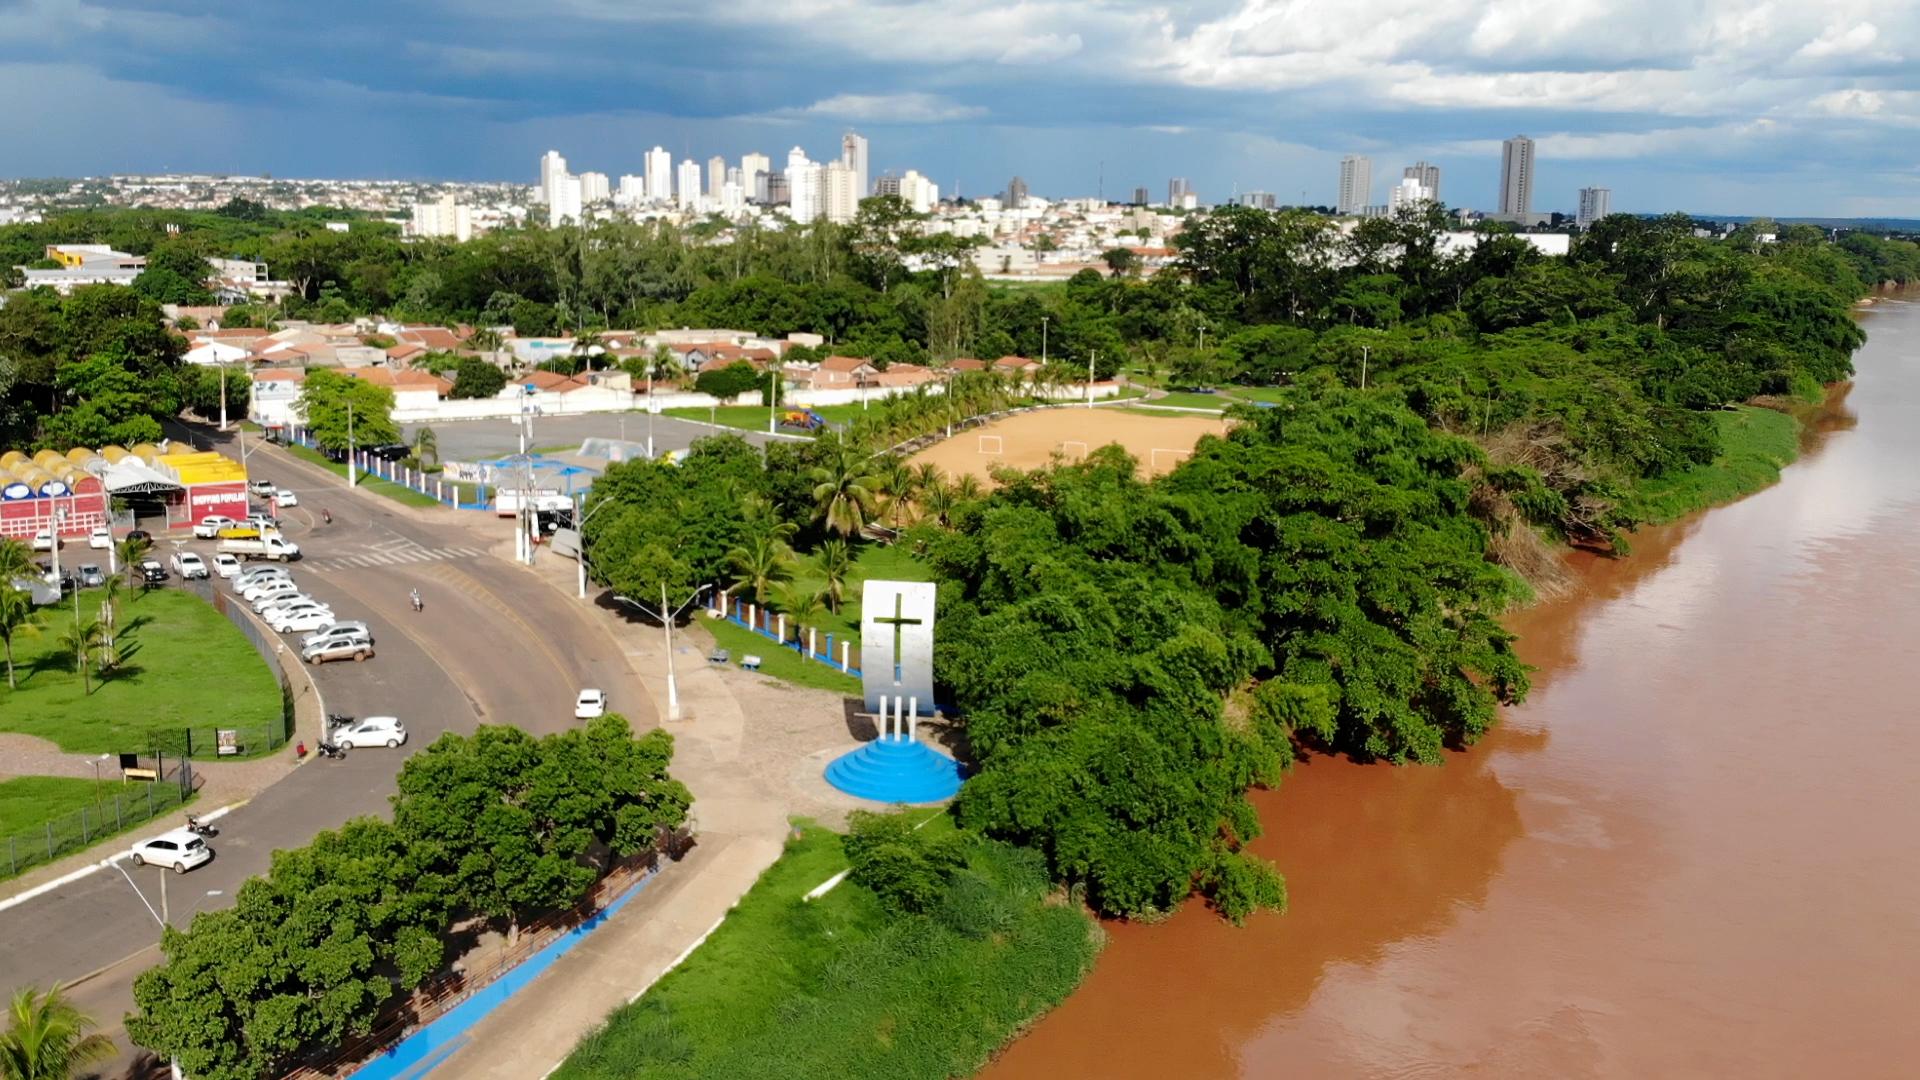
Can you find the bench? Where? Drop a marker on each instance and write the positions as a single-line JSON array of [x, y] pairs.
[[131, 769], [719, 656], [750, 662]]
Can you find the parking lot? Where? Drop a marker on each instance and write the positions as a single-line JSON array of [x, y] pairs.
[[486, 440]]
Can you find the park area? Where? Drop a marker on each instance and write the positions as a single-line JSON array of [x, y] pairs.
[[1030, 440], [181, 666], [754, 417]]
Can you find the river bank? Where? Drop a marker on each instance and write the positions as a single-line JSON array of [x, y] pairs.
[[1665, 862]]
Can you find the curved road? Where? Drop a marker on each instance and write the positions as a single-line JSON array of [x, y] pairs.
[[493, 645]]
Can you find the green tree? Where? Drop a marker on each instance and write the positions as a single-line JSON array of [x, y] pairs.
[[834, 559], [331, 402], [762, 562], [48, 1039], [16, 618], [1121, 262], [476, 378], [843, 492], [728, 382], [426, 445], [80, 641]]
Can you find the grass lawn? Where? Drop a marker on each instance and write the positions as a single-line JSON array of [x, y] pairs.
[[1755, 444], [787, 988], [754, 417], [783, 663], [397, 492], [29, 804], [887, 562], [183, 665], [1187, 399]]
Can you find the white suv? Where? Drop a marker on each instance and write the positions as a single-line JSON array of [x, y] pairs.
[[385, 731], [209, 527]]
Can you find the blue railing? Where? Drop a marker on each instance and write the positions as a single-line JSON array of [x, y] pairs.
[[737, 616]]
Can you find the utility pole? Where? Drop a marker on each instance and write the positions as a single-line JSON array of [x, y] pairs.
[[1043, 341], [650, 362], [1366, 352], [1091, 356], [352, 477], [223, 395], [666, 623]]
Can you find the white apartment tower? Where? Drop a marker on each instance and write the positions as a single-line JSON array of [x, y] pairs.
[[443, 218], [565, 204], [690, 184], [593, 188], [753, 175], [853, 155], [633, 189], [918, 192], [803, 187], [552, 168], [1428, 175], [659, 175], [839, 193], [716, 174], [1356, 184], [1408, 192], [1516, 179], [1595, 203]]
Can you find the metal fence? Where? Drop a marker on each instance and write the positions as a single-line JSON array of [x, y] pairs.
[[803, 640], [460, 496], [127, 806], [235, 737]]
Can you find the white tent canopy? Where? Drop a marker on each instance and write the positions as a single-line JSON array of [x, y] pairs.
[[215, 352], [131, 476]]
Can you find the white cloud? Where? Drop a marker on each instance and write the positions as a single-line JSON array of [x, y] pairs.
[[1041, 49], [1840, 40], [909, 108]]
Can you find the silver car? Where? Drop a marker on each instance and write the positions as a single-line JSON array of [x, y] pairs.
[[350, 628], [320, 652]]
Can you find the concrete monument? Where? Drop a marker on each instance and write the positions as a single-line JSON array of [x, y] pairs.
[[896, 642]]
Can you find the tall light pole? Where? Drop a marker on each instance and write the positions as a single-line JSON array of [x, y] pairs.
[[650, 410], [666, 623], [1043, 341], [773, 397], [223, 394], [1092, 354], [59, 524], [1366, 353], [353, 478], [1203, 337]]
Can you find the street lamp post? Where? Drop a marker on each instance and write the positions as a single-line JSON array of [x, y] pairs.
[[1366, 352], [223, 395], [1092, 355], [1043, 341], [353, 478], [59, 525], [650, 412]]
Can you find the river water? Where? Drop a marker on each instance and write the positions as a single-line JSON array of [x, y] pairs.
[[1694, 851]]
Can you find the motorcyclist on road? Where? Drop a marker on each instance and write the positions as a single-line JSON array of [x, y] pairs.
[[326, 515], [415, 596]]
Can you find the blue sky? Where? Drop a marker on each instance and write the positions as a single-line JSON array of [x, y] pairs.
[[1734, 106]]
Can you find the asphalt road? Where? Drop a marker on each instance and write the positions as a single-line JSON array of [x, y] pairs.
[[493, 645], [485, 440]]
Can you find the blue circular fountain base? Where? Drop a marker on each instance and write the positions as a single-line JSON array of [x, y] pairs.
[[896, 770]]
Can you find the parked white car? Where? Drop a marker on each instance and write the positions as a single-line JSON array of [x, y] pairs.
[[385, 731], [101, 537], [285, 590], [300, 620], [254, 575], [189, 566], [590, 704], [260, 487], [43, 540], [274, 604], [226, 566], [178, 850], [209, 527], [254, 590], [352, 628], [283, 498]]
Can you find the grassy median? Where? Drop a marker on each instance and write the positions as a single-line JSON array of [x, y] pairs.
[[182, 665], [368, 482], [788, 988]]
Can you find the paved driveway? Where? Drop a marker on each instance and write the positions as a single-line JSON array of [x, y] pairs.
[[494, 644]]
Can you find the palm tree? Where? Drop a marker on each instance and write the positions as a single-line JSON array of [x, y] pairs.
[[81, 641], [489, 341], [584, 343], [967, 488], [801, 604], [937, 502], [48, 1039], [426, 445], [927, 476], [762, 562], [843, 492], [835, 560], [15, 560], [16, 619], [897, 479], [132, 550], [109, 606]]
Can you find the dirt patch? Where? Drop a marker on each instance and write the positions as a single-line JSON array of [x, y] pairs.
[[1031, 440]]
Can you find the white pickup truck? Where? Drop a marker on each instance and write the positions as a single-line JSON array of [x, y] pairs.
[[252, 544]]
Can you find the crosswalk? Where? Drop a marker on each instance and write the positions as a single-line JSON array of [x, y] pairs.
[[391, 554]]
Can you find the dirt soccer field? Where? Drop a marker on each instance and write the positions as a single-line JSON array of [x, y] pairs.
[[1030, 440]]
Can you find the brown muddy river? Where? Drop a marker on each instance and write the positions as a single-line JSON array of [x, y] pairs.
[[1695, 851]]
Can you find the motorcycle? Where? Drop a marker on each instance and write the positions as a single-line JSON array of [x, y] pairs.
[[329, 750], [200, 828], [337, 720], [418, 605], [326, 515]]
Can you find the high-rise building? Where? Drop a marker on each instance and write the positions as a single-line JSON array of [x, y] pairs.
[[1409, 192], [1595, 203], [1016, 193], [1516, 179], [552, 168], [1259, 200], [803, 187], [732, 198], [593, 188], [690, 184], [778, 191], [1177, 191], [1356, 184], [853, 155], [443, 218], [716, 174], [564, 206], [1428, 175], [659, 175], [1141, 197], [633, 189], [920, 194], [839, 193], [753, 176]]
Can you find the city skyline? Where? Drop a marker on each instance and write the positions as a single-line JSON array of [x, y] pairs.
[[1746, 109]]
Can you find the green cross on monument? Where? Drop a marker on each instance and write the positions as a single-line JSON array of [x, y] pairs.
[[898, 620]]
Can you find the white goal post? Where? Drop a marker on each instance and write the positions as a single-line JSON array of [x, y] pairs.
[[1075, 449], [1159, 459], [991, 444]]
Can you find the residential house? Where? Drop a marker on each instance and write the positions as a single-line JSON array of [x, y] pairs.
[[276, 392]]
